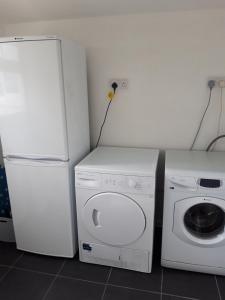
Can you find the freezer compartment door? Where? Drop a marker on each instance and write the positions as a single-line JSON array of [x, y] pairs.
[[32, 110], [42, 206]]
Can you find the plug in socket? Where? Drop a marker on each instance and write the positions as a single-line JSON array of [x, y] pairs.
[[122, 83], [211, 84], [219, 82]]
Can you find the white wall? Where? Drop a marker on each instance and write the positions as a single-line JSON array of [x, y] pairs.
[[167, 58]]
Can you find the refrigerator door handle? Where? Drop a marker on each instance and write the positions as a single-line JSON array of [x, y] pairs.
[[35, 161], [34, 158]]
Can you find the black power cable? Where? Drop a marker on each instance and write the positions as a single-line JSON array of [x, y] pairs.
[[114, 87], [203, 116], [103, 123], [214, 140]]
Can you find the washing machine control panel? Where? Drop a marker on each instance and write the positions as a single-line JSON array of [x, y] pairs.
[[194, 184], [117, 183], [128, 183]]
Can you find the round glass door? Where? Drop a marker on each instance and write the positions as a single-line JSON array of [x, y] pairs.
[[204, 220]]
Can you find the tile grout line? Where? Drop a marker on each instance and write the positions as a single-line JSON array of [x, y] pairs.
[[150, 292], [53, 280], [178, 296], [218, 288], [161, 287], [80, 279], [106, 284], [16, 261], [134, 289], [10, 267], [6, 273], [34, 271], [53, 274]]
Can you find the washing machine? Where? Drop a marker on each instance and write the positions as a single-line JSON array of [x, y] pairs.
[[115, 198], [194, 211]]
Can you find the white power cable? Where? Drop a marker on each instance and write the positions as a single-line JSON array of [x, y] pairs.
[[220, 117], [203, 117]]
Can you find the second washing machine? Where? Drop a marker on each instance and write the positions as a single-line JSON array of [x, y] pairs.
[[194, 211], [115, 197]]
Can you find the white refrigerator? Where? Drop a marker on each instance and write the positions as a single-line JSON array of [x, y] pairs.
[[44, 130]]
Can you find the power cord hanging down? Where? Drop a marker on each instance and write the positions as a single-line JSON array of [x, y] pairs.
[[110, 96], [220, 117], [211, 85], [103, 123], [214, 141]]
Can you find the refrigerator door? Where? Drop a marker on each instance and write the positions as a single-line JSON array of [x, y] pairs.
[[42, 206], [32, 110]]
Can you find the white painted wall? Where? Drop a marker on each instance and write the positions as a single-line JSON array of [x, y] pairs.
[[167, 57]]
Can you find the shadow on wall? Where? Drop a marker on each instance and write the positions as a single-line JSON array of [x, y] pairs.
[[160, 189]]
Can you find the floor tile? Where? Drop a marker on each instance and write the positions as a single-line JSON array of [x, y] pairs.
[[221, 285], [75, 268], [3, 270], [8, 253], [138, 280], [24, 285], [190, 284], [40, 263], [117, 293], [72, 289]]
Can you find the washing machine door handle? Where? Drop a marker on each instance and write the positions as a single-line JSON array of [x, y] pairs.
[[96, 217]]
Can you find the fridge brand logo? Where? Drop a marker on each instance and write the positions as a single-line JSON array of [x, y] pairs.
[[18, 38]]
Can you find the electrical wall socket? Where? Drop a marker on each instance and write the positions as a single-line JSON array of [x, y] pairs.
[[219, 81], [121, 82]]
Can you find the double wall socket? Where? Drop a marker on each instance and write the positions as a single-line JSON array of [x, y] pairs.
[[219, 81], [121, 82]]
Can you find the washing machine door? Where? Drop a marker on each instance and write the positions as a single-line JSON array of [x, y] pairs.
[[200, 220], [114, 219]]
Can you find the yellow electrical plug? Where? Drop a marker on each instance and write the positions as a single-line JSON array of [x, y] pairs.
[[111, 95]]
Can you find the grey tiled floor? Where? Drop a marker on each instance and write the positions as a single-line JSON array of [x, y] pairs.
[[25, 276]]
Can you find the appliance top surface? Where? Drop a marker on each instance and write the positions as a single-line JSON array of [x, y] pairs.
[[195, 161], [121, 160], [28, 38]]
